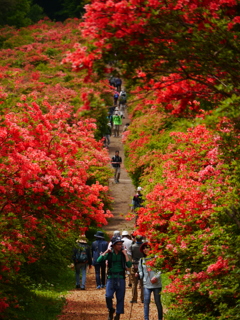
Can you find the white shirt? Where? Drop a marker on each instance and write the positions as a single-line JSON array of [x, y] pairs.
[[127, 244]]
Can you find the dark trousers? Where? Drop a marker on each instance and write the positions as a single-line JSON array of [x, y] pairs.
[[100, 273], [118, 287]]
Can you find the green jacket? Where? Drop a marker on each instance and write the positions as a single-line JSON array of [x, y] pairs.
[[116, 269], [117, 120]]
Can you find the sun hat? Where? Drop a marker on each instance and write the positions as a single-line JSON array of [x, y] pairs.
[[114, 240], [99, 234], [139, 188], [82, 238], [125, 233]]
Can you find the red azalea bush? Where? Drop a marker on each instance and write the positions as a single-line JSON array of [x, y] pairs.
[[186, 187], [53, 171], [180, 62]]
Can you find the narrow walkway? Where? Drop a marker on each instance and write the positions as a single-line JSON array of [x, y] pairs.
[[90, 304], [122, 192]]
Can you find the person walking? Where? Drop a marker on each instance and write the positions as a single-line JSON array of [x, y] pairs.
[[112, 81], [136, 255], [127, 245], [117, 121], [116, 233], [118, 83], [110, 118], [116, 163], [118, 261], [137, 202], [81, 259], [122, 102], [98, 246], [151, 282], [108, 132], [137, 199], [115, 98]]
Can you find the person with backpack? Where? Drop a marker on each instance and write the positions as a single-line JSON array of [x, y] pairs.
[[118, 84], [98, 246], [81, 259], [117, 260], [112, 81], [151, 282], [116, 163], [117, 121]]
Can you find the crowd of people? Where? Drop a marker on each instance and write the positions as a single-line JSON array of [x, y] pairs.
[[117, 112], [125, 257]]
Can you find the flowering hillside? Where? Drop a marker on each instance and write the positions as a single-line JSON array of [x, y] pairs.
[[53, 169]]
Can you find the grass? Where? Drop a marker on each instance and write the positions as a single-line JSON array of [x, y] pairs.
[[45, 302]]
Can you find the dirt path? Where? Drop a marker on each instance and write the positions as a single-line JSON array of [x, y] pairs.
[[122, 192], [90, 304]]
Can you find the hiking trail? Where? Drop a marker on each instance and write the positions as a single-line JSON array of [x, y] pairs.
[[90, 304]]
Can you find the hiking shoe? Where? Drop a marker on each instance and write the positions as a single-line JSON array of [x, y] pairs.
[[110, 314], [78, 286], [130, 285], [98, 287], [83, 288], [133, 301], [103, 286]]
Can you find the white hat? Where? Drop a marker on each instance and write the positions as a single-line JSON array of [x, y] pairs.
[[139, 188], [125, 233]]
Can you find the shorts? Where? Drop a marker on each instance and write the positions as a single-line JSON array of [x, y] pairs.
[[117, 169]]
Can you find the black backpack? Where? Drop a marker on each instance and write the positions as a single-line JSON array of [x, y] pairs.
[[81, 255]]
